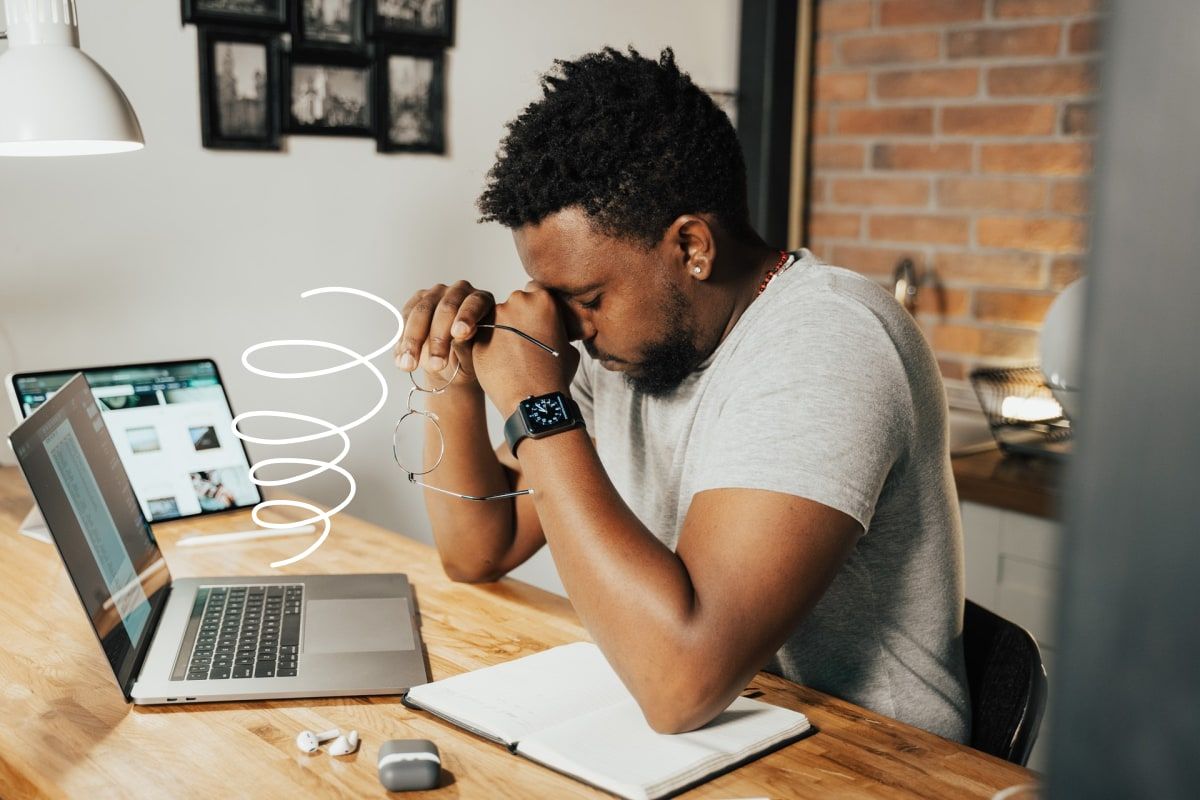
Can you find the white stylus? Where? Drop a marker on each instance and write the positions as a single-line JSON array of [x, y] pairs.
[[241, 536]]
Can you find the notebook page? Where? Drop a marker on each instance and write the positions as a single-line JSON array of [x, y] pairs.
[[616, 750], [511, 700]]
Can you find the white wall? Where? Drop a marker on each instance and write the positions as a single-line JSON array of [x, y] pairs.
[[177, 251]]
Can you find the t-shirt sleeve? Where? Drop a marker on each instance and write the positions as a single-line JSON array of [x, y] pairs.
[[821, 411], [581, 389]]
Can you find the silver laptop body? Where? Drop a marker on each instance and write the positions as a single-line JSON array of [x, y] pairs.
[[203, 639]]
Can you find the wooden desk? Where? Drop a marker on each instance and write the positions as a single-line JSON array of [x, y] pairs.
[[66, 731], [1017, 483]]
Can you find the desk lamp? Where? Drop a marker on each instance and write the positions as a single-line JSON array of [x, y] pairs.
[[54, 100]]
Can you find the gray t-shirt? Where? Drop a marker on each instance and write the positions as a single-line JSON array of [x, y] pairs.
[[826, 389]]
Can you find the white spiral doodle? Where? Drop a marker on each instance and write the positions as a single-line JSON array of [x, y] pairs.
[[327, 428]]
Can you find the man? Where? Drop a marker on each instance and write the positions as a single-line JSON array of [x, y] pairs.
[[762, 479]]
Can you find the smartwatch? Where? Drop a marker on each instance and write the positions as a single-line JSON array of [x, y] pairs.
[[544, 415]]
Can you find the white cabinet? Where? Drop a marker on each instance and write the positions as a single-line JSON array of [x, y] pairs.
[[1013, 568]]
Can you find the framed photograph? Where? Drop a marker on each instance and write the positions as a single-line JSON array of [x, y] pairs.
[[239, 89], [426, 22], [329, 25], [329, 94], [410, 101], [255, 13]]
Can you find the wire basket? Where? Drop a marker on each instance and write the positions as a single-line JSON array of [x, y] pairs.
[[1022, 412]]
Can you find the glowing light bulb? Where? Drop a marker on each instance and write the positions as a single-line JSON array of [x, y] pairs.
[[1030, 409]]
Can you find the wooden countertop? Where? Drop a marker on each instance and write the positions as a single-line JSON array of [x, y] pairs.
[[1016, 483], [68, 731]]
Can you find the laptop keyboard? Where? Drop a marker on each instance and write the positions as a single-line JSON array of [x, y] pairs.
[[244, 632]]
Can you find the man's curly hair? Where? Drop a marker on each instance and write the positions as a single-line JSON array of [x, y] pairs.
[[632, 141]]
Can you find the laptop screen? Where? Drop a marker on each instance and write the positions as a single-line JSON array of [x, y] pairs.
[[75, 472], [171, 426]]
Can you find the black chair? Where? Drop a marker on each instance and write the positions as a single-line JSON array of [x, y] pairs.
[[1007, 682]]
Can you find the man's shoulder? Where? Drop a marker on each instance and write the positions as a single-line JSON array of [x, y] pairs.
[[824, 324], [821, 301], [816, 283]]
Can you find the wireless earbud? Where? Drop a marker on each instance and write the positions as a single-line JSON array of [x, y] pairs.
[[308, 742], [344, 745]]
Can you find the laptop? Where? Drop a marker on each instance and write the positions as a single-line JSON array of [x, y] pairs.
[[202, 639], [170, 422]]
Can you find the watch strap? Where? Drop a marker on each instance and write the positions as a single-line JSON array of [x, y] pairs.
[[515, 431]]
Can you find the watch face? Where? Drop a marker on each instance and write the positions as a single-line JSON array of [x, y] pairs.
[[545, 413]]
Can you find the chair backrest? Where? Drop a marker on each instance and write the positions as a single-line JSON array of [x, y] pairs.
[[1007, 682]]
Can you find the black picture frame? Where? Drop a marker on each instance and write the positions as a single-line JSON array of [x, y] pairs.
[[432, 110], [216, 91], [306, 41], [202, 12], [335, 60], [383, 26]]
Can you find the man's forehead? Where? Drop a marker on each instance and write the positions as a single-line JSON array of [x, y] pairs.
[[560, 252], [567, 276]]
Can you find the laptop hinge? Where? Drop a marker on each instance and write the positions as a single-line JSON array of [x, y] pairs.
[[156, 612]]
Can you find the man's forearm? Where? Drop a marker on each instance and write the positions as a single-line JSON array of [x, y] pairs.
[[633, 594], [471, 536]]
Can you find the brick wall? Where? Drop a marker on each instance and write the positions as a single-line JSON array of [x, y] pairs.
[[957, 133]]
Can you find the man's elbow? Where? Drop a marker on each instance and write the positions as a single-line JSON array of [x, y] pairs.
[[470, 573], [685, 707]]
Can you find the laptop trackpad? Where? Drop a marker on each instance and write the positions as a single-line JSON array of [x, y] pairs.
[[358, 626]]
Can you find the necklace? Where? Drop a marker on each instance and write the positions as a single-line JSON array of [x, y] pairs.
[[775, 270]]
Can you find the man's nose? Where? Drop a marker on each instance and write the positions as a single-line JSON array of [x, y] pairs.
[[576, 324], [577, 327]]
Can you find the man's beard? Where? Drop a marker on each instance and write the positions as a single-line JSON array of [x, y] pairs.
[[666, 363]]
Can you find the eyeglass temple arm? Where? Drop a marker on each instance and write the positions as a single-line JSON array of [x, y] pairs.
[[413, 479], [522, 334]]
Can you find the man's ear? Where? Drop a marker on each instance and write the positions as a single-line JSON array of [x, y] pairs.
[[692, 246]]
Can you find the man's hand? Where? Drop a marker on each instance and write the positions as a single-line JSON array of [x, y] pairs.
[[510, 368], [476, 541], [439, 324]]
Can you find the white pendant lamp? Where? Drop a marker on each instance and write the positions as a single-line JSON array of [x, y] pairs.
[[54, 100]]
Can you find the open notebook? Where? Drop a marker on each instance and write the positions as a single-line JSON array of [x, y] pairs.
[[565, 708]]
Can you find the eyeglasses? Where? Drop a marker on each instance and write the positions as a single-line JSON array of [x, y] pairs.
[[416, 414]]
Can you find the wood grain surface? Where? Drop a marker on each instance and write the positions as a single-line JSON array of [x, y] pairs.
[[1017, 483], [66, 731]]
